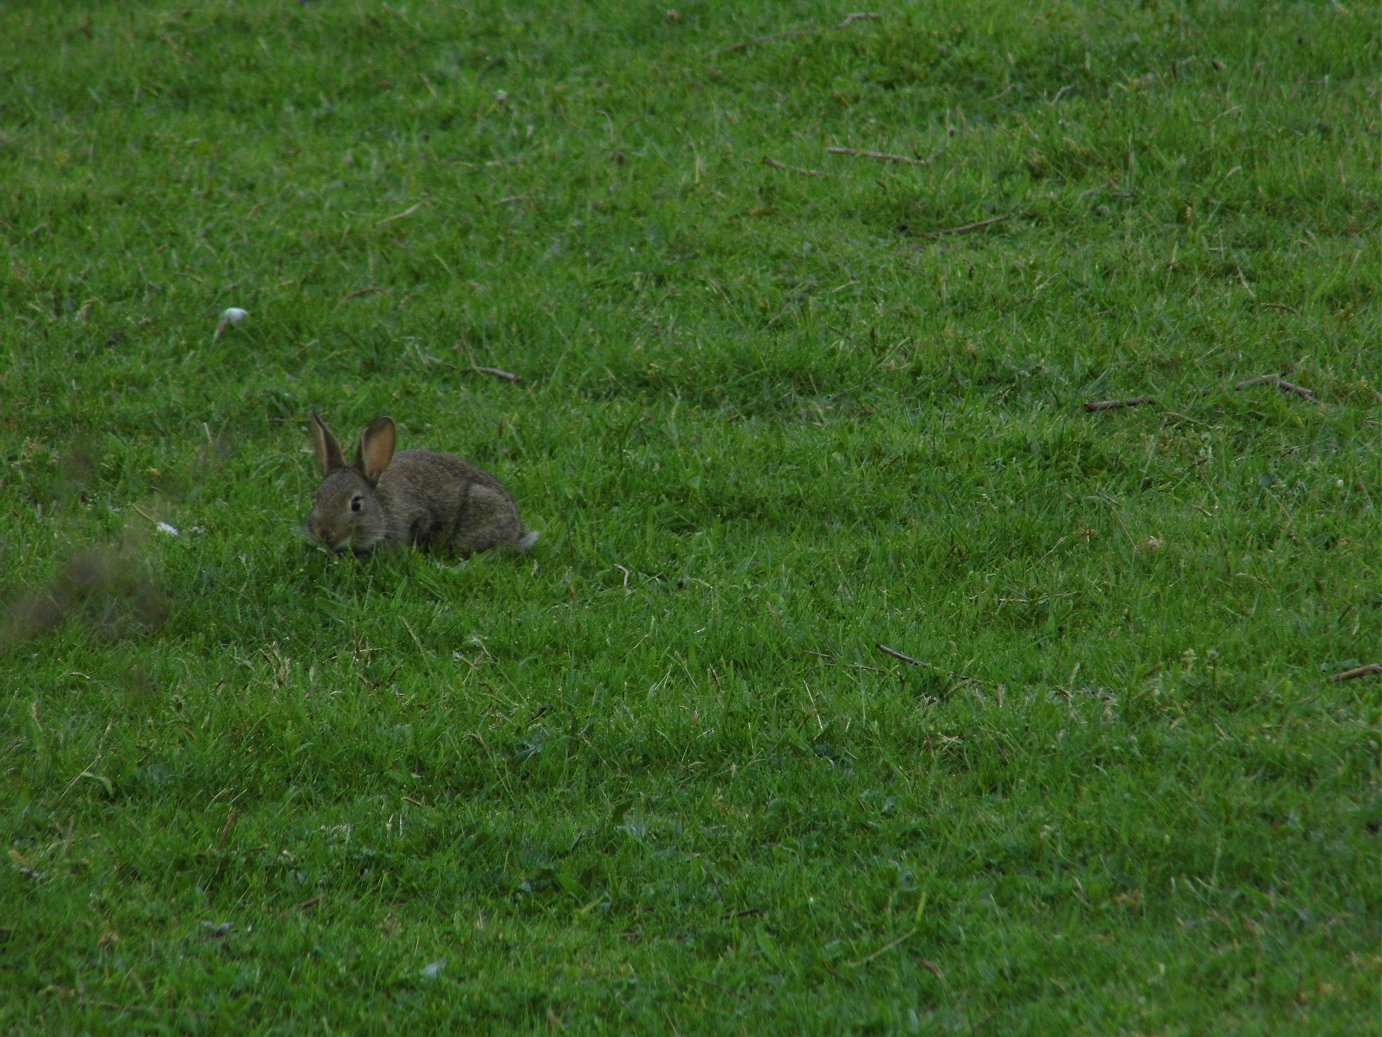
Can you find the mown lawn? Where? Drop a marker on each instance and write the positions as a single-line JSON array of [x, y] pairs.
[[866, 678]]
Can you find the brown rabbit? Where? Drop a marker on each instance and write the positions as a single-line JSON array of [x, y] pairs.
[[419, 497]]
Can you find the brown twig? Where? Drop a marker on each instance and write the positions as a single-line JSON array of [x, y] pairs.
[[899, 655], [1299, 390], [770, 161], [1369, 670], [1135, 401], [849, 19], [881, 156], [1281, 383], [964, 228], [494, 372]]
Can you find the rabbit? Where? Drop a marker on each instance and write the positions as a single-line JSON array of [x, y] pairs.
[[420, 498]]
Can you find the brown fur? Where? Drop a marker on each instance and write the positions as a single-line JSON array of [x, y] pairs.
[[420, 498]]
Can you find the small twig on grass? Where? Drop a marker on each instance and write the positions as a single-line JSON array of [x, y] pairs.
[[899, 655], [1281, 383], [849, 19], [1368, 670], [881, 156], [964, 228], [494, 372], [768, 160], [369, 289], [1134, 401]]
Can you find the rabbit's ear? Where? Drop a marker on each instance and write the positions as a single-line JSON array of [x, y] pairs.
[[327, 447], [376, 449]]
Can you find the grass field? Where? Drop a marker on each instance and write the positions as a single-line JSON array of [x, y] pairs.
[[863, 680]]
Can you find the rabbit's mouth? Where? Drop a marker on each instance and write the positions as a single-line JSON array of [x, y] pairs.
[[361, 542], [339, 541]]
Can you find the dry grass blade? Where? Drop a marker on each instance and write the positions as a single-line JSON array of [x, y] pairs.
[[880, 156], [1133, 401], [495, 372]]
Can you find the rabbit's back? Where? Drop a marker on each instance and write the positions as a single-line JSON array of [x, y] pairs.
[[438, 500]]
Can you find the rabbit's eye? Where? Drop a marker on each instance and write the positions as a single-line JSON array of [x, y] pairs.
[[357, 502]]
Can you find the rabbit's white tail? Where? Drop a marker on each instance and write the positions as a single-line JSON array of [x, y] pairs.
[[529, 539]]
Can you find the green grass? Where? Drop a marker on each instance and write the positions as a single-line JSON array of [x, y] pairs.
[[658, 776]]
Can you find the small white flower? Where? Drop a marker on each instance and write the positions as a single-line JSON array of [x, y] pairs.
[[231, 315], [168, 530]]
